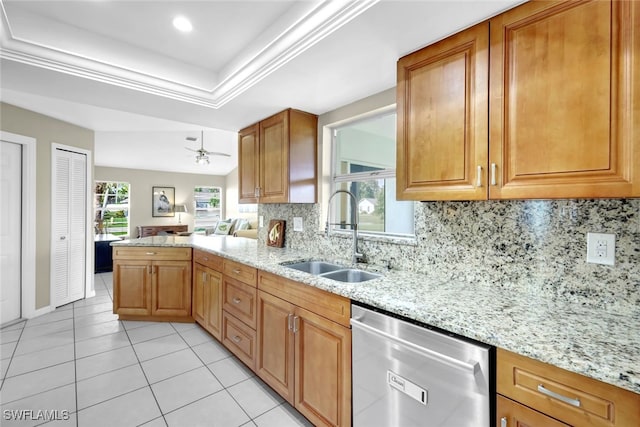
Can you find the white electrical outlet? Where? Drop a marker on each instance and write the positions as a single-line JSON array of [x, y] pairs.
[[261, 221], [601, 248], [297, 223]]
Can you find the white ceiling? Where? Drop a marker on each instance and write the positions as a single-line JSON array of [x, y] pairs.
[[121, 69]]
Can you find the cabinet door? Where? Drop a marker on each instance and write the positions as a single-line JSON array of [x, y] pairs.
[[275, 350], [213, 303], [199, 283], [442, 119], [322, 369], [132, 287], [171, 286], [248, 164], [564, 97], [513, 414], [274, 159]]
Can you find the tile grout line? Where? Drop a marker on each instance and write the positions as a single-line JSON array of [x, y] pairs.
[[4, 377]]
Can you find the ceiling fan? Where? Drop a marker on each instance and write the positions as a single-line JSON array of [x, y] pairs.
[[203, 155]]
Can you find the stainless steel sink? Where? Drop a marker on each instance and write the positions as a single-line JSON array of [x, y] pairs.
[[314, 267], [333, 271], [351, 275]]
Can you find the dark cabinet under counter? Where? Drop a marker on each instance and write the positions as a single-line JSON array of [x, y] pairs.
[[103, 261]]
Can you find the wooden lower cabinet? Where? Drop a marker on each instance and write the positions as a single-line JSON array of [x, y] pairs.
[[513, 414], [152, 284], [275, 361], [131, 288], [559, 394], [239, 338], [207, 299], [322, 369], [305, 357]]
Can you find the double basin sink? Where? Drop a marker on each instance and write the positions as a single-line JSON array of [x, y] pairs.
[[333, 271]]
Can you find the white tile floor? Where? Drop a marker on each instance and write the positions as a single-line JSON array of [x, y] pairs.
[[83, 366]]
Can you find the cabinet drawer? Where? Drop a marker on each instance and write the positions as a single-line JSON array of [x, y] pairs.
[[240, 300], [239, 338], [564, 395], [240, 272], [151, 253], [328, 305], [214, 262]]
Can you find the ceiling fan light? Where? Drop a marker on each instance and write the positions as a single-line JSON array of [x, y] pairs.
[[202, 160]]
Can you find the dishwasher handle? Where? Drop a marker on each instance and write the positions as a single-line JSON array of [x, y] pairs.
[[471, 366]]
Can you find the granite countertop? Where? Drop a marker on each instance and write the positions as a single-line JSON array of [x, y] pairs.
[[598, 343]]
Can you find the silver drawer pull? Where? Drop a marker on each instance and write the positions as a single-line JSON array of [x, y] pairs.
[[236, 271], [151, 253], [236, 339], [503, 422], [236, 300], [565, 399]]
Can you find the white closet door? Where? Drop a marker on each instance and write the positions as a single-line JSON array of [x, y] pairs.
[[69, 227], [10, 231]]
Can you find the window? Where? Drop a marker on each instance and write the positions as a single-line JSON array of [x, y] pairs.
[[112, 207], [208, 202], [364, 161]]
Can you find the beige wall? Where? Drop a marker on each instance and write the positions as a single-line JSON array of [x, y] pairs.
[[232, 194], [140, 197], [46, 130]]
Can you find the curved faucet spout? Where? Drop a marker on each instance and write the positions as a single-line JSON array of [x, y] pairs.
[[356, 256]]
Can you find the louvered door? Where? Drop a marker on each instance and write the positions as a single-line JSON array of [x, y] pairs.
[[68, 227]]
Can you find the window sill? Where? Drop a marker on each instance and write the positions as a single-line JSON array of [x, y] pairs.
[[387, 239]]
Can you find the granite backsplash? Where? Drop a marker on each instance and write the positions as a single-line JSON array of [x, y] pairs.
[[538, 246]]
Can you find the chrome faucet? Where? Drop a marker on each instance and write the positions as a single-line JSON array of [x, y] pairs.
[[356, 256]]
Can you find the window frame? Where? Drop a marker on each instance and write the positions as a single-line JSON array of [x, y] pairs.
[[336, 179]]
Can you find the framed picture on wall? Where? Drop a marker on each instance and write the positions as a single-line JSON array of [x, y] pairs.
[[164, 198]]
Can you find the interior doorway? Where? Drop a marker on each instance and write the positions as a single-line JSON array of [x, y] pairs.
[[17, 227], [10, 231]]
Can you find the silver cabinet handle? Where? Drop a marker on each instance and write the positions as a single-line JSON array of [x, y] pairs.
[[204, 276], [236, 339], [236, 300], [493, 173], [151, 253], [503, 422], [296, 324], [290, 322], [574, 402], [479, 177], [236, 271]]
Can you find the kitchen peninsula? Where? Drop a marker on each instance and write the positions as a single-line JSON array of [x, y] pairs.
[[597, 343]]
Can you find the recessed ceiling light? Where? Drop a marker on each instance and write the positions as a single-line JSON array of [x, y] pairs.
[[182, 24]]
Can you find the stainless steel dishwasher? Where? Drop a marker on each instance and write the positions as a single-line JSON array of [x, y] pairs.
[[408, 375]]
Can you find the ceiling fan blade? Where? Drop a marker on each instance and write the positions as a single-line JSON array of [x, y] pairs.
[[191, 149], [215, 153]]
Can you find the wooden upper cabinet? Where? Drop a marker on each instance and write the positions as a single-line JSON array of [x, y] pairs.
[[248, 163], [278, 159], [274, 158], [442, 119], [562, 105], [564, 100]]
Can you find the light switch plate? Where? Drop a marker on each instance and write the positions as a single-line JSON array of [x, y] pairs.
[[297, 223], [601, 248], [261, 221]]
